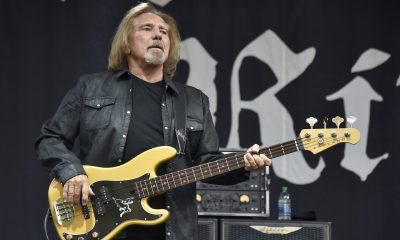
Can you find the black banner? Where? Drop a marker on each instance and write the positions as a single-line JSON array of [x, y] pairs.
[[267, 66]]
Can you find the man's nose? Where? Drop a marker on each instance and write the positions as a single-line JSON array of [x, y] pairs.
[[157, 35]]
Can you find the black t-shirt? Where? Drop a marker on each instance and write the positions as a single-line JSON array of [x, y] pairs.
[[145, 132], [145, 128]]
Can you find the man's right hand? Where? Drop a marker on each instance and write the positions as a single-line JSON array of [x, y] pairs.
[[76, 187]]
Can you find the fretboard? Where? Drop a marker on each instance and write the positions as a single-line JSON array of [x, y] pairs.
[[163, 183]]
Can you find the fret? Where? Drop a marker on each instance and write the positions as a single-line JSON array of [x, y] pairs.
[[270, 153], [227, 164], [156, 183], [151, 186], [181, 177], [218, 167], [237, 161], [223, 167], [194, 174], [138, 190], [283, 150], [208, 164], [201, 171], [145, 188], [183, 172], [173, 179], [159, 183], [166, 180], [188, 181], [297, 147]]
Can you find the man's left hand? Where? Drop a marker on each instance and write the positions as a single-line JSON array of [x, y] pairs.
[[253, 160]]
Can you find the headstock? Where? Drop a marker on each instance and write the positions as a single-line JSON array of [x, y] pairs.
[[317, 140]]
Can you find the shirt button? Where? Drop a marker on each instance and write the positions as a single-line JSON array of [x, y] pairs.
[[166, 128], [119, 160], [163, 104], [168, 207], [128, 112], [168, 233], [124, 136], [130, 89], [98, 105], [192, 128]]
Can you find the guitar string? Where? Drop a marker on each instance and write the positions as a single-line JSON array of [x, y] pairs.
[[153, 183], [171, 179], [175, 179], [149, 183], [276, 151]]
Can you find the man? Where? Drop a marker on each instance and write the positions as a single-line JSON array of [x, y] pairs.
[[134, 107]]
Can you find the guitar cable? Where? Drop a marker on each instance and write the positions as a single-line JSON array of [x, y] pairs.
[[47, 216]]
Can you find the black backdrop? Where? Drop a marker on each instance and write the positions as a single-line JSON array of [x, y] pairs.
[[349, 46]]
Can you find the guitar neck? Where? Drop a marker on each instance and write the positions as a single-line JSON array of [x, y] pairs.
[[163, 183]]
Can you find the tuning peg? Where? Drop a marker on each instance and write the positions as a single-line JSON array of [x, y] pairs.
[[325, 122], [337, 120], [351, 120], [311, 121]]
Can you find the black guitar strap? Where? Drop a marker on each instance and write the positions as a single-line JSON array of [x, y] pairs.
[[180, 119]]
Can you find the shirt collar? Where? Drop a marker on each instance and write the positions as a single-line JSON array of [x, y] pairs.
[[169, 83], [121, 73]]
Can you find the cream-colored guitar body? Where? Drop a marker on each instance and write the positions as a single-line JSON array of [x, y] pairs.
[[116, 206]]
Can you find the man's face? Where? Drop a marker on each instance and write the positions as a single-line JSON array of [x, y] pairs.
[[149, 40]]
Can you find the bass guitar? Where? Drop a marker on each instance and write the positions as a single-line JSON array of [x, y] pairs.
[[122, 192]]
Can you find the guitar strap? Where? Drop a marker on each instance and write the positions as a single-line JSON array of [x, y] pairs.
[[180, 119]]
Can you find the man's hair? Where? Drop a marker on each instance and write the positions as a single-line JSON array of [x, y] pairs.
[[117, 58]]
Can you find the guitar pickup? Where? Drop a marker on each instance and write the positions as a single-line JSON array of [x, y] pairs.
[[99, 207], [105, 194]]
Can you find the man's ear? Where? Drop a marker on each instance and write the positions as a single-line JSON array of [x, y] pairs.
[[127, 50]]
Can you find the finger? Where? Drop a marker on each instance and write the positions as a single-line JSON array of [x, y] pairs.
[[255, 148], [85, 194], [251, 162], [267, 161], [77, 194], [91, 192], [65, 191], [70, 193], [247, 165], [259, 161]]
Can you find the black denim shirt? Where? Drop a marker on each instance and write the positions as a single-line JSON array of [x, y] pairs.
[[98, 111]]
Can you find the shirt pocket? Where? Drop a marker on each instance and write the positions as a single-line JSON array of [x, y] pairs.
[[194, 130], [97, 112]]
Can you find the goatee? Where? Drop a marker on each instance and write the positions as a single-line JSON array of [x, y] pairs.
[[155, 57]]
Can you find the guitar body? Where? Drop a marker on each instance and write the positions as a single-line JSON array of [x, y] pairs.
[[115, 205]]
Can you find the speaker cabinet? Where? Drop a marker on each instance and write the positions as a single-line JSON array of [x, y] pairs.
[[239, 229], [208, 229]]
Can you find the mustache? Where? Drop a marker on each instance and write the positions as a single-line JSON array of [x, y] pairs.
[[157, 44]]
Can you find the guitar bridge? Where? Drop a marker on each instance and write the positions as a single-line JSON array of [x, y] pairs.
[[64, 212]]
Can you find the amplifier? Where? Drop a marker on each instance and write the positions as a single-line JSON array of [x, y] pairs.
[[208, 228], [249, 198], [239, 229], [231, 203]]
